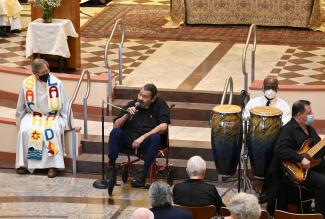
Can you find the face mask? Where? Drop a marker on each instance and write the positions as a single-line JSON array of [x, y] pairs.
[[310, 119], [44, 77], [270, 94]]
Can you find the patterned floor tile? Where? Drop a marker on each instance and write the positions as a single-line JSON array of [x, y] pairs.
[[298, 65], [92, 53], [302, 65]]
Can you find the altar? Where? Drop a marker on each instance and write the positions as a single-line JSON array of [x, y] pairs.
[[290, 13]]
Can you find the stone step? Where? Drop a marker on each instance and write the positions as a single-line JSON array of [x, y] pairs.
[[180, 111], [174, 122], [91, 163], [178, 149], [192, 96]]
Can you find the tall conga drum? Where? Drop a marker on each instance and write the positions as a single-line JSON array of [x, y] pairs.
[[264, 126], [226, 137]]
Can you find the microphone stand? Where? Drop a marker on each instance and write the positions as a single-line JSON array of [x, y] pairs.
[[102, 183], [117, 107], [244, 156]]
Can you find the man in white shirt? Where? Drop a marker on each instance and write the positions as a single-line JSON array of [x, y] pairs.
[[270, 89]]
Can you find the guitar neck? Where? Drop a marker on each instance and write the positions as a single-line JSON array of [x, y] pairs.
[[316, 148]]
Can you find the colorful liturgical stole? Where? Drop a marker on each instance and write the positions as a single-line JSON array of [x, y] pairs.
[[41, 129]]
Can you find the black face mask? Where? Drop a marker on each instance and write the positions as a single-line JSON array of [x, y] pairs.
[[44, 77]]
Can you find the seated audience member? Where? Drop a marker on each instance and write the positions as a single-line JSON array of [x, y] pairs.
[[201, 193], [10, 16], [243, 206], [138, 129], [41, 116], [160, 196], [142, 213]]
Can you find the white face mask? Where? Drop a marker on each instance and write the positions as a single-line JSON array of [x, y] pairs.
[[310, 119], [270, 94]]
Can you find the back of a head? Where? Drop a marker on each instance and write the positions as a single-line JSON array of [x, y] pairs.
[[244, 206], [196, 166], [142, 213], [160, 194]]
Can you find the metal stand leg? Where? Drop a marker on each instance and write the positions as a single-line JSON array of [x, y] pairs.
[[247, 184], [81, 12], [244, 158], [231, 188]]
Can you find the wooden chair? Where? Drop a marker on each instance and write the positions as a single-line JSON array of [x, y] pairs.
[[225, 213], [265, 215], [202, 212], [278, 214]]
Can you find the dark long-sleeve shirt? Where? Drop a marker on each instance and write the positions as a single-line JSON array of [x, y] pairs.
[[290, 140], [195, 192]]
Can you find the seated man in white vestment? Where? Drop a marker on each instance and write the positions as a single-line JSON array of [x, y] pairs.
[[41, 115], [10, 16]]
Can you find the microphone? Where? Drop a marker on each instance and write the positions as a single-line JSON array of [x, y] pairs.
[[137, 106]]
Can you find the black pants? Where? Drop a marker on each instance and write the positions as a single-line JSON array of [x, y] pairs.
[[315, 182]]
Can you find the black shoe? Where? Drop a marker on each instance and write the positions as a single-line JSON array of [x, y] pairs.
[[139, 179], [262, 198], [111, 179], [22, 170], [7, 28], [3, 33], [15, 31]]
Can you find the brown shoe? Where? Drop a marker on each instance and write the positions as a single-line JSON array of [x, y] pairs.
[[53, 172], [22, 170]]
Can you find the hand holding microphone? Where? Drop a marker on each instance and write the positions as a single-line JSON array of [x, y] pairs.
[[133, 109]]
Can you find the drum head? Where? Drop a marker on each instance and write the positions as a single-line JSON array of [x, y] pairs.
[[227, 108], [266, 111]]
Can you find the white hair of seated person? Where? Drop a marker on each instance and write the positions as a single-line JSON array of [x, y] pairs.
[[244, 206], [142, 213], [196, 167]]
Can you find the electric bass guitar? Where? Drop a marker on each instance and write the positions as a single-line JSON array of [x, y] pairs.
[[295, 170]]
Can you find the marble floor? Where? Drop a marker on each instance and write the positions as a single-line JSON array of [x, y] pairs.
[[37, 196], [206, 70]]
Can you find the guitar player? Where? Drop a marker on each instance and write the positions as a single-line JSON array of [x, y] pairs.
[[291, 137]]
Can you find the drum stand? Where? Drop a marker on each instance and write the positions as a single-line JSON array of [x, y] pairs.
[[247, 184]]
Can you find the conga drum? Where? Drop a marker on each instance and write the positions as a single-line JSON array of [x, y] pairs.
[[226, 137], [264, 126]]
